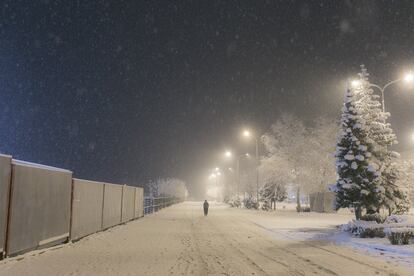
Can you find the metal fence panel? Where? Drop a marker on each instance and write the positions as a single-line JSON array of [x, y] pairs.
[[39, 208], [322, 202], [128, 203], [139, 202], [112, 205], [87, 208], [148, 205], [329, 202], [5, 172], [154, 204]]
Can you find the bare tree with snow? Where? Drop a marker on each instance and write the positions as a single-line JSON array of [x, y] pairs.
[[300, 155]]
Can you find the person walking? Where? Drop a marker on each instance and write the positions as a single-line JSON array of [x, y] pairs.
[[205, 206]]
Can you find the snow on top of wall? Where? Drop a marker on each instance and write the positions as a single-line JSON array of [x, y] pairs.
[[39, 166]]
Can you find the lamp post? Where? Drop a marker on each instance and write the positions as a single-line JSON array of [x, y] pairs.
[[409, 77], [228, 154], [215, 175], [248, 134]]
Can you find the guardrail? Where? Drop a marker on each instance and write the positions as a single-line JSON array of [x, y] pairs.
[[154, 204]]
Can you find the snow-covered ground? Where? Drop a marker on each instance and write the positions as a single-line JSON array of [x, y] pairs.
[[180, 241], [323, 227]]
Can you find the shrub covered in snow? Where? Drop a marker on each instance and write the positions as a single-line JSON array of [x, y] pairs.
[[396, 219], [364, 229], [266, 206], [374, 217], [398, 229], [303, 209], [398, 236], [234, 202], [251, 203]]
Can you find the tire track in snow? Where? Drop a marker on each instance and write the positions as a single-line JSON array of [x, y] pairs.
[[305, 261], [377, 269], [326, 250], [225, 243]]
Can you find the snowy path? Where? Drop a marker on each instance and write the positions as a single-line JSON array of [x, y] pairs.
[[180, 241]]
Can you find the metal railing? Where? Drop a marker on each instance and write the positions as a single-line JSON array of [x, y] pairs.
[[154, 204]]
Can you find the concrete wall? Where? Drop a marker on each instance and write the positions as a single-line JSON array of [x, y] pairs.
[[5, 171], [128, 203], [112, 205], [139, 202], [39, 208], [87, 204]]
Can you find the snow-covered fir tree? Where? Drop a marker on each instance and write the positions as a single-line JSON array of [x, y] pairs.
[[406, 177], [396, 198], [358, 179], [381, 137], [366, 167]]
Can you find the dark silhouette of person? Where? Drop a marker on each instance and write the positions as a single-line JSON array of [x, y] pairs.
[[205, 206]]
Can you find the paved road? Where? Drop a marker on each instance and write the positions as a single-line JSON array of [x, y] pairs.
[[181, 241]]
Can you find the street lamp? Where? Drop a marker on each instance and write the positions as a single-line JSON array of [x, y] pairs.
[[355, 83], [408, 77], [247, 133], [215, 175], [227, 153], [246, 155]]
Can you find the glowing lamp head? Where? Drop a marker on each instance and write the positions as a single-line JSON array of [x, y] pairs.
[[217, 169], [247, 155], [355, 83], [409, 77], [246, 133], [227, 153]]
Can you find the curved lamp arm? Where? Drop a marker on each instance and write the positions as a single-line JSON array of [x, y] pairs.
[[382, 89]]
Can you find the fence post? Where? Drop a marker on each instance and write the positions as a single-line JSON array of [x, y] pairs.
[[71, 211], [9, 211]]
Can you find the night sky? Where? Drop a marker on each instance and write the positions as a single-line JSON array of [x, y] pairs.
[[127, 91]]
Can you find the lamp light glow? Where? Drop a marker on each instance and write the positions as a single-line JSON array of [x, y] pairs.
[[409, 77], [355, 83], [246, 133]]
